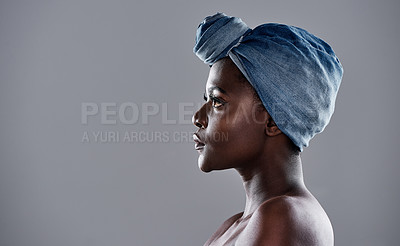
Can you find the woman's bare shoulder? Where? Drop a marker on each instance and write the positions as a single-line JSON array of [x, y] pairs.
[[225, 226], [288, 220]]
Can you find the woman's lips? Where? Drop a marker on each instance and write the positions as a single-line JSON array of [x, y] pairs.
[[199, 145]]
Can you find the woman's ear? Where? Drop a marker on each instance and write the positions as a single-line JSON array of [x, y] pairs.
[[271, 129]]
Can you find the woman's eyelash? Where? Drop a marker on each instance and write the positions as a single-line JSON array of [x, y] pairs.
[[214, 99]]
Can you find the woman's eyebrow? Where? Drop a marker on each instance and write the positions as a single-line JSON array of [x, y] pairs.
[[210, 90]]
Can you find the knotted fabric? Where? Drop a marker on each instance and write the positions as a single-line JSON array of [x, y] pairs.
[[296, 74]]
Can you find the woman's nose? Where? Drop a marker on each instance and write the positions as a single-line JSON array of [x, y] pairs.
[[199, 118]]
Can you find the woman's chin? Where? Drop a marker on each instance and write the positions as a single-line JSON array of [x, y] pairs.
[[203, 165]]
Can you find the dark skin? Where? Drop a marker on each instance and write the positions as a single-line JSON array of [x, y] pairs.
[[235, 131]]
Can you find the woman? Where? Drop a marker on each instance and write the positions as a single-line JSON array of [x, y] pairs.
[[269, 91]]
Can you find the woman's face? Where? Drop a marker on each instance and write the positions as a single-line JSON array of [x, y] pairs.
[[231, 125]]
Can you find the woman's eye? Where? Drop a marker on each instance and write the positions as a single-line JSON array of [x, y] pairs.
[[216, 103]]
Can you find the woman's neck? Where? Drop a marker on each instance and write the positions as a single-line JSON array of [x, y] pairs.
[[276, 174]]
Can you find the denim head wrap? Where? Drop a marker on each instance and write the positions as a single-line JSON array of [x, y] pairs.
[[296, 74]]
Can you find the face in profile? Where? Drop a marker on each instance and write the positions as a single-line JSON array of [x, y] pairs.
[[231, 126]]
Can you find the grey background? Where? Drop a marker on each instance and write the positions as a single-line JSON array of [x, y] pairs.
[[56, 190]]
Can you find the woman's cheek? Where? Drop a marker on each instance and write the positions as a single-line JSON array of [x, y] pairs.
[[216, 126]]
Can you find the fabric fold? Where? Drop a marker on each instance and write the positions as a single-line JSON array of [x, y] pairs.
[[216, 35]]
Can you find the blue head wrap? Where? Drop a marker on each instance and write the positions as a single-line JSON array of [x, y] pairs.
[[296, 74]]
